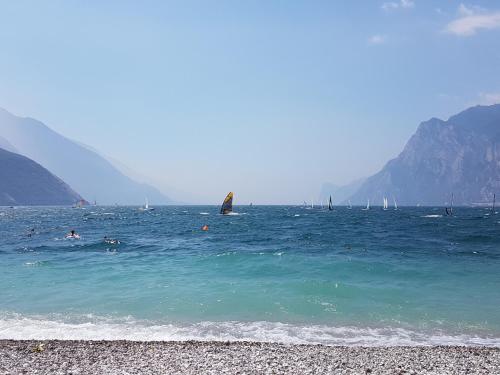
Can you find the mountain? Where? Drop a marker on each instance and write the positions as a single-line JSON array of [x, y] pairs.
[[5, 144], [460, 156], [26, 183], [339, 193], [86, 171]]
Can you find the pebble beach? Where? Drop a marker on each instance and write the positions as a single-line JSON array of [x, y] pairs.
[[193, 357]]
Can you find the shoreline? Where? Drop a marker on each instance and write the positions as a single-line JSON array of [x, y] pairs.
[[215, 357]]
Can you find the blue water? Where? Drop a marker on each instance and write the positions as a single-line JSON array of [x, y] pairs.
[[286, 274]]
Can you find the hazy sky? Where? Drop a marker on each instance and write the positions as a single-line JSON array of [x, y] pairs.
[[266, 98]]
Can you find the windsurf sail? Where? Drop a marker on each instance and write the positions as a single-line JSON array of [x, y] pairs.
[[493, 205], [80, 203], [227, 205], [449, 210], [395, 204], [350, 205], [330, 204], [386, 205]]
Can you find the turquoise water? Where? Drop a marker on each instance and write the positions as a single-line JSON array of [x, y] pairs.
[[271, 273]]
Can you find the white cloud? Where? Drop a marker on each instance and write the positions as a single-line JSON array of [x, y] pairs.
[[465, 10], [473, 19], [488, 98], [401, 4], [377, 39]]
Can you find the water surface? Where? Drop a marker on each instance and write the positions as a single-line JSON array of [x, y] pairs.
[[272, 273]]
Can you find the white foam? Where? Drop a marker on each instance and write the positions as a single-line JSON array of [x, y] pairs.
[[432, 216], [17, 327]]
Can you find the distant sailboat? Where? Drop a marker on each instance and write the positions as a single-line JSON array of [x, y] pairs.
[[386, 205], [312, 203], [227, 205], [449, 210], [80, 203], [493, 205], [395, 204], [350, 205], [367, 205], [146, 206], [330, 204]]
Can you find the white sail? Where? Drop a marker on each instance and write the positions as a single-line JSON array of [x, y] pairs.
[[367, 205], [146, 206], [385, 203], [350, 205], [395, 204]]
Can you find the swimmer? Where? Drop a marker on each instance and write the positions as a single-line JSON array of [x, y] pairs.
[[73, 234], [111, 241], [205, 227]]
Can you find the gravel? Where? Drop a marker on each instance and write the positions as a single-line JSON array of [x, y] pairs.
[[192, 357]]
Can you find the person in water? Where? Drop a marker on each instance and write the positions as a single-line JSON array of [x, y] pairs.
[[72, 234], [110, 241], [205, 227]]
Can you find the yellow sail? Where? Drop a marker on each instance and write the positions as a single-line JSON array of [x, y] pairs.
[[227, 205]]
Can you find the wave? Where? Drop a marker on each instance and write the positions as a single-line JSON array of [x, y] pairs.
[[88, 327], [432, 216]]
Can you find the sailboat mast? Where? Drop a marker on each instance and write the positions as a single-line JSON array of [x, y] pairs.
[[449, 210], [493, 206]]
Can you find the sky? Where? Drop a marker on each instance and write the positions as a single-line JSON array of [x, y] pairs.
[[269, 99]]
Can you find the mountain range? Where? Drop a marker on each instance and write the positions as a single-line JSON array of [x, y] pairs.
[[459, 156], [87, 172], [24, 182]]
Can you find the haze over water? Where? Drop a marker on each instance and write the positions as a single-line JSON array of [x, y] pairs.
[[272, 273]]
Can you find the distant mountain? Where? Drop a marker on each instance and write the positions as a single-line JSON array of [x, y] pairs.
[[5, 144], [460, 156], [339, 193], [26, 183], [83, 169]]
